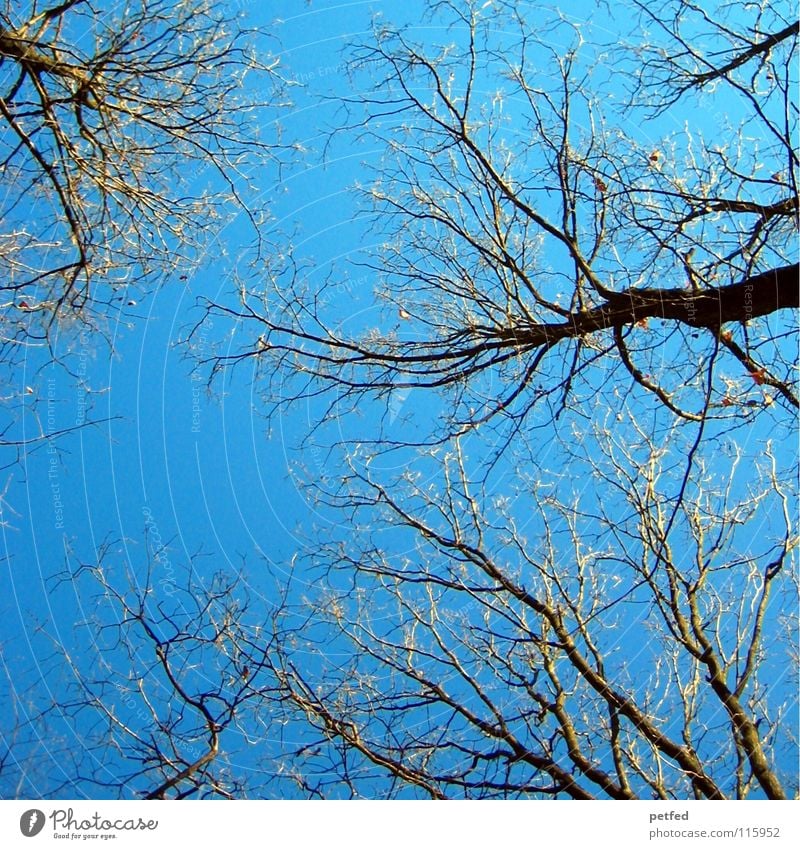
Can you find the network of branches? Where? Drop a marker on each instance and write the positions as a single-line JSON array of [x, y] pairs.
[[118, 125], [533, 228], [552, 547], [585, 344]]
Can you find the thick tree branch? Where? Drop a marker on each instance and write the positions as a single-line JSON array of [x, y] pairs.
[[760, 295], [756, 49]]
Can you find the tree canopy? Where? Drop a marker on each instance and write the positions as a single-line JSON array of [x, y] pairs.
[[585, 367], [527, 211], [550, 461], [116, 124]]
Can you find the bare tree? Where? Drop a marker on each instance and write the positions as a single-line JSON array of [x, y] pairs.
[[529, 234], [624, 639], [123, 133], [560, 565], [161, 693]]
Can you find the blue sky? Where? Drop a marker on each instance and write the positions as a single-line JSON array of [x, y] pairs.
[[200, 469]]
